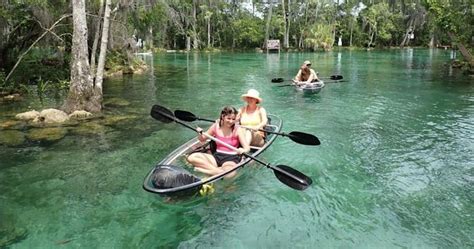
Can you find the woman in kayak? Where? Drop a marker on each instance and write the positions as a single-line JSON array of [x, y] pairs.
[[306, 75], [253, 117], [224, 158]]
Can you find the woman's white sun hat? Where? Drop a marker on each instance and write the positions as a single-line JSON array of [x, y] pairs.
[[252, 93]]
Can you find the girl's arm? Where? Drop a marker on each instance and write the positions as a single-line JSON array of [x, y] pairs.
[[243, 141], [209, 131]]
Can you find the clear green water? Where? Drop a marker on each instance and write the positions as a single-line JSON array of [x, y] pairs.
[[395, 168]]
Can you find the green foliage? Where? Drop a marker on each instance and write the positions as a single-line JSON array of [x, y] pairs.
[[248, 32], [381, 23], [115, 60], [320, 35], [54, 89], [456, 16]]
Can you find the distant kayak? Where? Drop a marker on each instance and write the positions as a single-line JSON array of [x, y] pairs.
[[170, 176]]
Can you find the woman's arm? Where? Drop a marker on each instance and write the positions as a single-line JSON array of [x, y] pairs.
[[239, 114], [313, 75], [298, 76], [263, 116]]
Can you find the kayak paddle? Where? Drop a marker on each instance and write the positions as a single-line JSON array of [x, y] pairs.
[[332, 77], [285, 174], [298, 137]]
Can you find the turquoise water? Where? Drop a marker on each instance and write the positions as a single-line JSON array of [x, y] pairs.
[[394, 168]]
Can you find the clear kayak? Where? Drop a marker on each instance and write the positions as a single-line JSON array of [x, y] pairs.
[[170, 176], [314, 87]]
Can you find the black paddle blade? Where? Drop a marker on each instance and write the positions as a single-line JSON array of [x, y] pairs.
[[277, 80], [185, 116], [336, 77], [304, 138], [162, 114], [300, 184]]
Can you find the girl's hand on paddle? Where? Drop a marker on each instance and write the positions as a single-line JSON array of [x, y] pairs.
[[201, 136], [241, 151]]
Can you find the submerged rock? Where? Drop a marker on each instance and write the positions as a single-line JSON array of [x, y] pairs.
[[12, 138], [80, 115], [116, 120], [10, 233], [116, 102], [12, 124], [27, 116], [46, 134], [12, 97], [51, 116], [91, 128]]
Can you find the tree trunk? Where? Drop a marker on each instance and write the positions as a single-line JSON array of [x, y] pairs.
[[285, 27], [188, 43], [96, 37], [267, 26], [209, 32], [149, 38], [352, 28], [82, 93], [407, 34], [465, 53], [288, 27], [431, 44], [193, 25], [103, 49]]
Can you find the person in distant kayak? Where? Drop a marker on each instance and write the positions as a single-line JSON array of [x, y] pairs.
[[253, 117], [305, 75], [223, 158]]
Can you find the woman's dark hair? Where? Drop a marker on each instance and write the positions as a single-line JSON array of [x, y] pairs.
[[305, 73], [227, 110]]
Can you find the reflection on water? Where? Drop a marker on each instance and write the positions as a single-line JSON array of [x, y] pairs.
[[394, 168]]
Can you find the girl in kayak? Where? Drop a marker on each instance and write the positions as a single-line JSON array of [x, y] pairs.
[[223, 158], [253, 117]]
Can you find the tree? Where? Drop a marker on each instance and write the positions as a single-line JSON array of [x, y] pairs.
[[267, 26], [83, 94], [379, 23], [455, 18]]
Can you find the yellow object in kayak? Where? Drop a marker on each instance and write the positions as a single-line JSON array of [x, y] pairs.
[[206, 189]]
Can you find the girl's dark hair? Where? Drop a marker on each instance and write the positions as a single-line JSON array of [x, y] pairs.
[[227, 110]]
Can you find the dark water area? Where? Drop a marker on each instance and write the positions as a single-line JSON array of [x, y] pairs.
[[394, 168]]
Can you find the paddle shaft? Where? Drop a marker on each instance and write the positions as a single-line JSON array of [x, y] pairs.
[[271, 132], [248, 128], [298, 137]]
